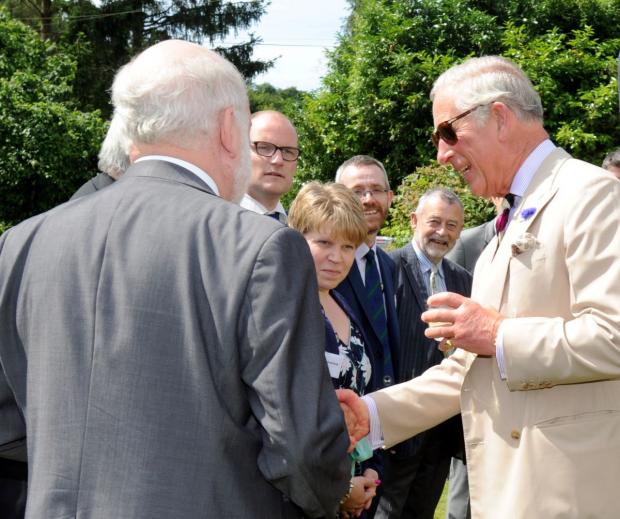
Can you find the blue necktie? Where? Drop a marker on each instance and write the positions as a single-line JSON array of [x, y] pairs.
[[376, 306], [274, 215]]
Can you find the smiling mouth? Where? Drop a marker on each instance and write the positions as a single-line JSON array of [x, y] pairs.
[[273, 174]]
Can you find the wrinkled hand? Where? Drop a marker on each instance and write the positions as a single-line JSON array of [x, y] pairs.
[[473, 327], [355, 415]]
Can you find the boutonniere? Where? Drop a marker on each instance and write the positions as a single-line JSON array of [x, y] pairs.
[[524, 243], [527, 213]]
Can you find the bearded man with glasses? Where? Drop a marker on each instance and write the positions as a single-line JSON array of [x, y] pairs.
[[536, 372], [273, 141]]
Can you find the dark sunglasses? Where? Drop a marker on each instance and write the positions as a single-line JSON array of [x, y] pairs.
[[446, 132]]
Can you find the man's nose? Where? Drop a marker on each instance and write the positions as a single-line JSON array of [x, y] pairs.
[[444, 152], [276, 158]]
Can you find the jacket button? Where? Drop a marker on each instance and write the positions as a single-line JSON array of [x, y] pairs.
[[515, 434]]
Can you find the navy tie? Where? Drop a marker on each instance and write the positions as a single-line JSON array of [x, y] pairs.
[[274, 215], [376, 306]]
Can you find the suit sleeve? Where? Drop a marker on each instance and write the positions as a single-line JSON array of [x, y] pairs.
[[12, 426], [580, 342], [283, 363], [423, 402]]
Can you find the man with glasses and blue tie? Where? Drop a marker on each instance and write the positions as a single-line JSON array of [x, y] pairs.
[[370, 286], [536, 371], [273, 141]]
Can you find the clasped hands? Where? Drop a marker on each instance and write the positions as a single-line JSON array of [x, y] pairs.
[[472, 327]]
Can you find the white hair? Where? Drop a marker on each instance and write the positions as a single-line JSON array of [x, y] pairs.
[[114, 152], [481, 81], [176, 97]]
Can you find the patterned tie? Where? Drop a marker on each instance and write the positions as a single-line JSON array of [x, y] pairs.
[[433, 279], [502, 219], [376, 305]]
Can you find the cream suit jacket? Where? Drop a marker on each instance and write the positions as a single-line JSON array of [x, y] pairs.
[[545, 442]]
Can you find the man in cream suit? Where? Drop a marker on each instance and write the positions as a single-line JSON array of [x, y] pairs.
[[162, 349], [536, 375]]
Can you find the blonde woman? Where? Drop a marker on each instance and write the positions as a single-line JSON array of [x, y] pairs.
[[331, 219]]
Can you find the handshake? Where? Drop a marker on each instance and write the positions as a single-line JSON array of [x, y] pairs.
[[356, 415]]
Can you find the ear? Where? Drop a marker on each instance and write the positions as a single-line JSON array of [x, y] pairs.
[[413, 221], [229, 132], [504, 117], [390, 197]]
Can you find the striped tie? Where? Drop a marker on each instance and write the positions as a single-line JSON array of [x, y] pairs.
[[376, 306]]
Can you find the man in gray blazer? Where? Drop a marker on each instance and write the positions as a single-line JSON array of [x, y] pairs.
[[416, 469], [162, 349]]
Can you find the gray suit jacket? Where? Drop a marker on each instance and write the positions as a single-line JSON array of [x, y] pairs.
[[163, 352], [470, 244]]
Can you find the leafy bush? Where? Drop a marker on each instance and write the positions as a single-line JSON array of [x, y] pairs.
[[47, 147]]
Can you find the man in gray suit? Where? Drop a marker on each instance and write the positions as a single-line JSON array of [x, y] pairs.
[[416, 469], [162, 349]]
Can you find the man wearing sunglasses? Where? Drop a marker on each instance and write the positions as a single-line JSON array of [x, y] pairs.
[[536, 373], [273, 141]]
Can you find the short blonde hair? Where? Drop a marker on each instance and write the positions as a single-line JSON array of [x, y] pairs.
[[319, 205]]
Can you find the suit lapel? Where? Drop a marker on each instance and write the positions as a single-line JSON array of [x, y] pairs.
[[538, 194], [360, 292], [415, 278]]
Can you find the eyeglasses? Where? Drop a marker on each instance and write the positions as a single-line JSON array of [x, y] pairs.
[[375, 192], [446, 132], [266, 149]]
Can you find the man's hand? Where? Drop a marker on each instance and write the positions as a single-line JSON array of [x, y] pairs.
[[472, 326], [355, 415]]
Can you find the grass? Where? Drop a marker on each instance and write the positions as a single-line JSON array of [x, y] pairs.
[[440, 511]]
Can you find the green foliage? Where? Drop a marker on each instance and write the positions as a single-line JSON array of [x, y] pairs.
[[575, 75], [375, 96], [113, 31], [47, 147], [267, 97], [477, 210]]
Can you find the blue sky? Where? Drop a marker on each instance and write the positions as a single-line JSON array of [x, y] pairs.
[[297, 32]]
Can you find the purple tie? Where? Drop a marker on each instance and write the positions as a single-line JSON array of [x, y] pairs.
[[502, 219]]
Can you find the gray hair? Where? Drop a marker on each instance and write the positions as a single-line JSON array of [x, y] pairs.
[[113, 155], [175, 98], [361, 160], [612, 159], [448, 196], [481, 81]]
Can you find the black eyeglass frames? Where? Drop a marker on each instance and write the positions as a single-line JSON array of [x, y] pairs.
[[446, 132], [267, 149]]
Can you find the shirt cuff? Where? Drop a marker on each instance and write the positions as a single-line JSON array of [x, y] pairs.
[[375, 437], [499, 351]]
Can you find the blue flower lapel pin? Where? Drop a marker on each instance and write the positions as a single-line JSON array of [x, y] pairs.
[[527, 213]]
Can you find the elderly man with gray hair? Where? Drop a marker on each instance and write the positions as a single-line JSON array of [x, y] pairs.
[[536, 373], [147, 360]]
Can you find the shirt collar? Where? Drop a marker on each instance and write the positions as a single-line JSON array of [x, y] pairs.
[[526, 172], [202, 175], [247, 202], [362, 250]]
